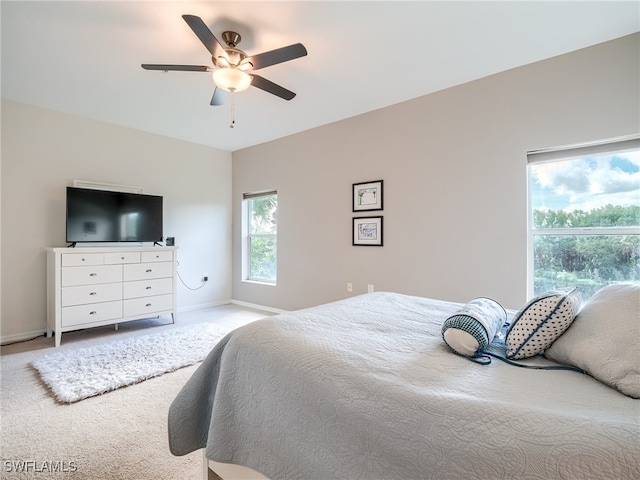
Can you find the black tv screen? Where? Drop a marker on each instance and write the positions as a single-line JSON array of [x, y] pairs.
[[106, 216]]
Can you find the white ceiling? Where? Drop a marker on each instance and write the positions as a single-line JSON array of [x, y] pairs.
[[83, 57]]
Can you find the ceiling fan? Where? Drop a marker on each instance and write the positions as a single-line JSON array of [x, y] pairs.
[[231, 65]]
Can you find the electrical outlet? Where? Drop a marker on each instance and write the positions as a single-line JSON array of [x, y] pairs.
[[370, 288], [349, 287]]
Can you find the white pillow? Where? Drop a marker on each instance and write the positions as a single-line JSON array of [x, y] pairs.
[[604, 340], [540, 322]]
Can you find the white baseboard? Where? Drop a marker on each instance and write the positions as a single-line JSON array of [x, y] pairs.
[[204, 305], [218, 303], [258, 307], [21, 337]]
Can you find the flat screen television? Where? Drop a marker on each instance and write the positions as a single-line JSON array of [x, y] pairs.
[[107, 216]]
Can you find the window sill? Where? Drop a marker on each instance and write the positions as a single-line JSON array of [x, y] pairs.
[[260, 282]]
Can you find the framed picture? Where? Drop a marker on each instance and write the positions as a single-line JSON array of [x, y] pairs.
[[367, 196], [367, 231]]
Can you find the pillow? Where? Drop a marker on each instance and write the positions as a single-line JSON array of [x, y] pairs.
[[604, 340], [473, 327], [541, 321]]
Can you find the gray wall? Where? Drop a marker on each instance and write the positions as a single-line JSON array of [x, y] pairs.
[[44, 151], [454, 171]]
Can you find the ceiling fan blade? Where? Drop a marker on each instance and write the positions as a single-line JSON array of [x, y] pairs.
[[206, 37], [278, 55], [270, 87], [219, 96], [179, 68]]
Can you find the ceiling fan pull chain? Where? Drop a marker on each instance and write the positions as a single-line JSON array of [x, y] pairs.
[[233, 116]]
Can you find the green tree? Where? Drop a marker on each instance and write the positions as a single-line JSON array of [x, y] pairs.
[[586, 261], [263, 242], [264, 214]]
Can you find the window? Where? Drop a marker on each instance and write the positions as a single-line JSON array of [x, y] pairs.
[[260, 226], [584, 216]]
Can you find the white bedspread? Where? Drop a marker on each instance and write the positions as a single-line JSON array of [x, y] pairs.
[[365, 388]]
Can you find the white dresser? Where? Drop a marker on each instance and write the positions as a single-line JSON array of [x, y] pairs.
[[93, 286]]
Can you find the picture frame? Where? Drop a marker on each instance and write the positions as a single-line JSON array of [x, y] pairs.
[[367, 196], [367, 231]]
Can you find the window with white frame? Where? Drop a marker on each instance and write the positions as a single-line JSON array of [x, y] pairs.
[[260, 226], [584, 216]]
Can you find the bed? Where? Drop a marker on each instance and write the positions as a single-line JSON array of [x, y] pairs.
[[365, 388]]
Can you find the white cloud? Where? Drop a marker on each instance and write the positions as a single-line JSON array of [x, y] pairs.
[[590, 183]]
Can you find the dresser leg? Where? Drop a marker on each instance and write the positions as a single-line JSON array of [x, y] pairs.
[[58, 337]]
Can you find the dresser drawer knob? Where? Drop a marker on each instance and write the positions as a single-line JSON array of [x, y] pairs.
[[93, 313], [93, 274], [93, 293], [148, 270], [148, 305], [148, 288]]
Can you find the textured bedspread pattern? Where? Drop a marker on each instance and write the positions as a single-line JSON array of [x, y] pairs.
[[365, 388]]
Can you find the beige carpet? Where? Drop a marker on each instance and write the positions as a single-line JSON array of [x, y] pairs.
[[118, 435]]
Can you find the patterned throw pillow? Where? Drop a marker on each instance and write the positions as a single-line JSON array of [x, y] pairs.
[[473, 326], [540, 322]]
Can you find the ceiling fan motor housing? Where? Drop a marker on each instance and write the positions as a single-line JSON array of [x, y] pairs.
[[232, 39], [234, 58]]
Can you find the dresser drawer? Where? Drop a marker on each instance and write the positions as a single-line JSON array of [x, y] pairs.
[[78, 259], [91, 275], [147, 288], [124, 257], [143, 271], [84, 294], [159, 256], [150, 305], [95, 312]]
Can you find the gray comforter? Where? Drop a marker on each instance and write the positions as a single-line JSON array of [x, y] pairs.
[[365, 388]]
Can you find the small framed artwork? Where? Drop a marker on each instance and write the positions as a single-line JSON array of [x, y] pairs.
[[367, 196], [367, 231]]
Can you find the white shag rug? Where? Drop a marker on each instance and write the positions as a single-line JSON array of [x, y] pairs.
[[76, 374]]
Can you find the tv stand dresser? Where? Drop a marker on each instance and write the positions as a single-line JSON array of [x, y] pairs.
[[95, 286]]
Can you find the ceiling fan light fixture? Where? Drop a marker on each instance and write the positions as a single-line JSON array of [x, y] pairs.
[[231, 79]]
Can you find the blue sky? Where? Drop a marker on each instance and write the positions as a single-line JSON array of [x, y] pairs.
[[586, 183]]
